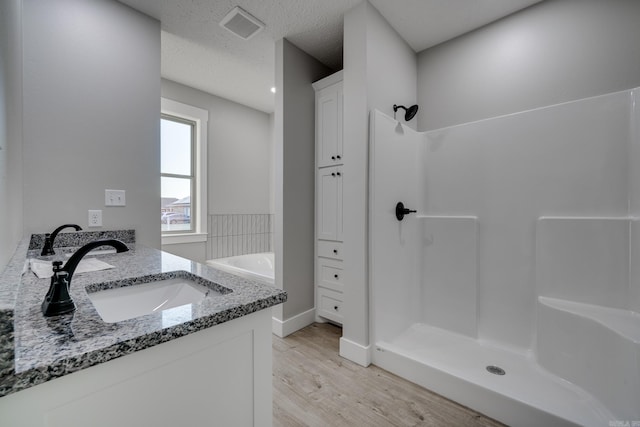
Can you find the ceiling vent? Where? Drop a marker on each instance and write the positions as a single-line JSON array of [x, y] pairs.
[[242, 23]]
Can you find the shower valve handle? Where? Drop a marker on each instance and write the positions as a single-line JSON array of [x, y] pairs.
[[401, 211]]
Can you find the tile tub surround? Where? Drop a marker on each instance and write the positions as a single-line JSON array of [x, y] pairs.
[[239, 234], [47, 348]]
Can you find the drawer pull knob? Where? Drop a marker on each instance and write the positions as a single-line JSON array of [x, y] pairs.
[[335, 307], [335, 275], [335, 251]]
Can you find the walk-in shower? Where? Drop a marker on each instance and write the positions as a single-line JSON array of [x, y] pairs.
[[515, 287]]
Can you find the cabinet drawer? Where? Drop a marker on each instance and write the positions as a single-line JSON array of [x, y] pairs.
[[330, 249], [330, 305], [330, 274]]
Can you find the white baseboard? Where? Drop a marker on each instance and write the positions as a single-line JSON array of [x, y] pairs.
[[355, 352], [287, 327]]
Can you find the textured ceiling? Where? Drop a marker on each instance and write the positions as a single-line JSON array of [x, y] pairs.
[[197, 52]]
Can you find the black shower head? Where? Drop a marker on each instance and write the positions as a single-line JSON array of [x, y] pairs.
[[410, 112]]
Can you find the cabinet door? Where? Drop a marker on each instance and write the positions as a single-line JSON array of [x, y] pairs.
[[339, 176], [329, 204], [329, 126]]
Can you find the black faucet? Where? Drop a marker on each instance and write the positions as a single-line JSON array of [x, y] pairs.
[[47, 249], [58, 301]]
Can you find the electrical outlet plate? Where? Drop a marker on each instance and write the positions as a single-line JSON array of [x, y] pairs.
[[95, 218], [114, 198]]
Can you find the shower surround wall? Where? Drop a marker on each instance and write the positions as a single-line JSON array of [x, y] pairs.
[[520, 255]]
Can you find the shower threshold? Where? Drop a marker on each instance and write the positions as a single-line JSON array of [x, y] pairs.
[[455, 366]]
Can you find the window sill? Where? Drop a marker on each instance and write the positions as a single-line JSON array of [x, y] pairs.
[[174, 239]]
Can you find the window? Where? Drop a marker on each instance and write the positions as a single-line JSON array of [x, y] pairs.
[[177, 137], [183, 172]]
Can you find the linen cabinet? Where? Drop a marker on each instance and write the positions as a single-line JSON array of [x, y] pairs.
[[329, 284]]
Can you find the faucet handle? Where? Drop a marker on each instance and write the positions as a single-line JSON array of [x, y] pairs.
[[58, 301], [57, 266], [47, 248]]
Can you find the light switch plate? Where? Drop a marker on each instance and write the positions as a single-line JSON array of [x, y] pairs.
[[114, 198]]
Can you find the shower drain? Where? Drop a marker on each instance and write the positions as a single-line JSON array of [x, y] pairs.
[[496, 370]]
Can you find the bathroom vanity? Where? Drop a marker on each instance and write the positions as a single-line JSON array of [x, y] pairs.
[[203, 363]]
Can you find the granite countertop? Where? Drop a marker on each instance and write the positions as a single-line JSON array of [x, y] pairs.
[[47, 348]]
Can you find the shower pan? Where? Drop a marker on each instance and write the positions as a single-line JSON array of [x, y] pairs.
[[513, 289]]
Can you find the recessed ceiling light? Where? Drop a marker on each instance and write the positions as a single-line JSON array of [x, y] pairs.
[[273, 89], [242, 23]]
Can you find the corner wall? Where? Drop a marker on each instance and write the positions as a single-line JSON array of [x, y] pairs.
[[91, 114], [294, 142], [380, 70], [551, 52], [10, 128]]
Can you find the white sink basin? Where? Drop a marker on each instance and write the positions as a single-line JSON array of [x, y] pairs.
[[95, 252], [127, 302]]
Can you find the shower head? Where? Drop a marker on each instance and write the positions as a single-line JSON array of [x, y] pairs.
[[409, 112]]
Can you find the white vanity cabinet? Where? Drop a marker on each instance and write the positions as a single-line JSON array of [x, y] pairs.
[[329, 179], [219, 376]]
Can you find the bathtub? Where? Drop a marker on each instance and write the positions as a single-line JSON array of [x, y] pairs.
[[259, 267]]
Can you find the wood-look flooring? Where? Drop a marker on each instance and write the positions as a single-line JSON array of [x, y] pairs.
[[314, 386]]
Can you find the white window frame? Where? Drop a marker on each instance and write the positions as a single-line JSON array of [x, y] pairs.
[[201, 118]]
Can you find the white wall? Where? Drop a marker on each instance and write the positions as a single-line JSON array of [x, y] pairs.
[[239, 151], [294, 129], [634, 204], [272, 163], [379, 70], [91, 115], [552, 52], [10, 127]]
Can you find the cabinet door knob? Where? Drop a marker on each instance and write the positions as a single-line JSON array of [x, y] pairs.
[[335, 307], [338, 157], [338, 173], [333, 157], [333, 174]]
